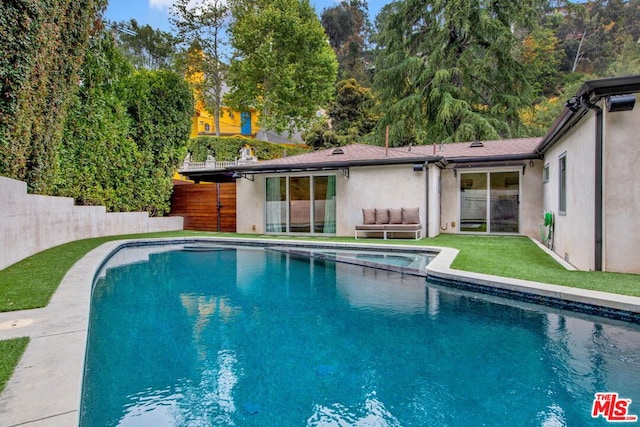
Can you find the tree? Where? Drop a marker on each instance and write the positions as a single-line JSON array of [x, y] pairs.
[[352, 107], [348, 28], [125, 134], [144, 46], [350, 114], [98, 160], [201, 28], [42, 45], [452, 70], [543, 56], [627, 62], [282, 63]]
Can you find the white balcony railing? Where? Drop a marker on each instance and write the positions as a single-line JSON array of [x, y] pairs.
[[209, 165]]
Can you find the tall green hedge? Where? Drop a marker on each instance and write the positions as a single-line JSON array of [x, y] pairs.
[[125, 134], [42, 44], [226, 149]]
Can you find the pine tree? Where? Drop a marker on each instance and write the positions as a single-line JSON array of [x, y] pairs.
[[452, 70]]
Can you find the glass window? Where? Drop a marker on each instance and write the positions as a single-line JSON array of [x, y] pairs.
[[300, 204], [490, 202], [324, 195], [562, 181], [545, 173], [505, 189], [306, 205], [473, 202], [276, 214]]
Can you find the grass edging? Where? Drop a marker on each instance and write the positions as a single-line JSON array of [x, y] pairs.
[[11, 351], [31, 283]]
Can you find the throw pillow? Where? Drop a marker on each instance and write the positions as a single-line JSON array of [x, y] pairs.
[[382, 216], [395, 216], [410, 216], [368, 216]]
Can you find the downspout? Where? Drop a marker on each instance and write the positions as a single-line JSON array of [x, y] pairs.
[[598, 220], [427, 200]]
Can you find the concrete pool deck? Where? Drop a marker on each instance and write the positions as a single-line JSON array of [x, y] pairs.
[[45, 389]]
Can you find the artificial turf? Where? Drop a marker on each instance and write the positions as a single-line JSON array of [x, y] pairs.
[[10, 353], [31, 282]]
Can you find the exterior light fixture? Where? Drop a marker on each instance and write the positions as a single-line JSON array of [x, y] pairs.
[[573, 104], [237, 175], [418, 167], [620, 103]]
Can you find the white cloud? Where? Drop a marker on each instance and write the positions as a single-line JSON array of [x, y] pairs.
[[166, 4], [160, 4]]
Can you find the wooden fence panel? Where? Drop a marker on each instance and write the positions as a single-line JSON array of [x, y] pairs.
[[205, 207]]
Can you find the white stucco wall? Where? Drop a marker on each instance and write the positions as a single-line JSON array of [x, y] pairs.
[[530, 207], [394, 186], [621, 191], [32, 223], [531, 211], [574, 231], [250, 199], [449, 204], [434, 199]]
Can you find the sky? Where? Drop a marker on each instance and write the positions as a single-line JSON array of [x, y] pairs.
[[155, 13]]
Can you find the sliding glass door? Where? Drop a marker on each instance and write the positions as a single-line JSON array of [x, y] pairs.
[[489, 202], [276, 205], [301, 204]]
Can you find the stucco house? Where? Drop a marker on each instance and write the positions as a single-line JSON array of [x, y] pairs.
[[478, 187], [335, 185], [590, 154]]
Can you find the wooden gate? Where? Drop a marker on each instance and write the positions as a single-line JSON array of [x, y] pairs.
[[206, 206]]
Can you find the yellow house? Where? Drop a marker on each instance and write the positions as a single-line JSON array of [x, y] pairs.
[[232, 122]]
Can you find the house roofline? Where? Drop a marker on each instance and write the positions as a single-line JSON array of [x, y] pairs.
[[499, 158], [592, 91], [270, 168]]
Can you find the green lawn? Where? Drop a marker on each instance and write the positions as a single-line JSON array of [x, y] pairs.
[[31, 282], [10, 353]]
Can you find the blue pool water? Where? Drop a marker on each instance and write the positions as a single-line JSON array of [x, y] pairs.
[[252, 337]]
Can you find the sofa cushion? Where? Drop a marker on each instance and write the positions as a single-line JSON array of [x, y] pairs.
[[372, 227], [395, 216], [368, 216], [382, 216], [410, 216]]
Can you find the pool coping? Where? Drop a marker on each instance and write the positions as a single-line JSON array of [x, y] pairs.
[[46, 386]]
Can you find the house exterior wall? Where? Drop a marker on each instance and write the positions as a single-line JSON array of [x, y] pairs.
[[250, 200], [230, 122], [621, 191], [530, 207], [449, 204], [531, 212], [434, 200], [394, 186], [574, 230]]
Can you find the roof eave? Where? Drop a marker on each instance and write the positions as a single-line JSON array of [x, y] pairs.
[[593, 91], [495, 158], [334, 165]]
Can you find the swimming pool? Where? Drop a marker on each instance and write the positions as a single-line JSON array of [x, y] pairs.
[[248, 336]]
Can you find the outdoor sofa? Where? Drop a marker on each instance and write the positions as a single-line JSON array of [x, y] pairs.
[[389, 222]]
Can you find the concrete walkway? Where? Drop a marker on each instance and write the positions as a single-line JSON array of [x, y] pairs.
[[45, 389]]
